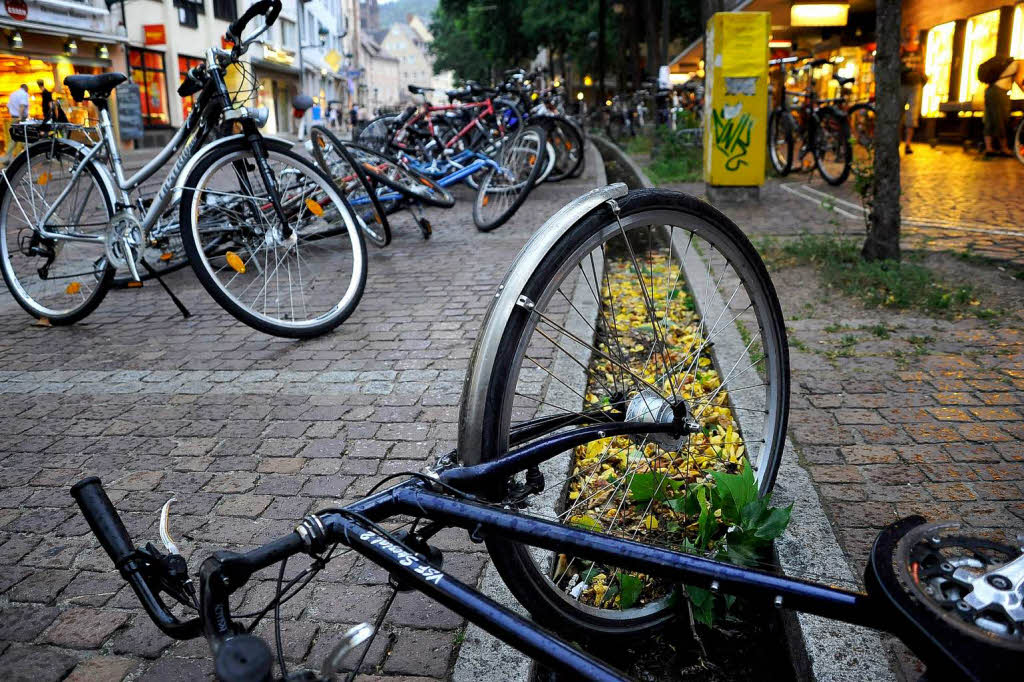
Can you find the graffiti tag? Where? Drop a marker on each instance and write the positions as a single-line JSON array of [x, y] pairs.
[[732, 135]]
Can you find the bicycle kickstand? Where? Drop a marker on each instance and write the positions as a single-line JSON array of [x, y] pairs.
[[156, 275], [426, 229]]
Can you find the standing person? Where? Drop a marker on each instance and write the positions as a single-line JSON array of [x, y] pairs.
[[353, 115], [17, 107], [47, 98], [997, 101], [332, 117], [912, 80]]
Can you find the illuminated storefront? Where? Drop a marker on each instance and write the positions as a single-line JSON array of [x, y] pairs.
[[149, 72], [980, 43], [938, 63], [184, 64]]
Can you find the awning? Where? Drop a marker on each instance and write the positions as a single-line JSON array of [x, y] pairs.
[[77, 7], [46, 29]]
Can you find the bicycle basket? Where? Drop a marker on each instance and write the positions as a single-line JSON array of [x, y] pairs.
[[241, 83]]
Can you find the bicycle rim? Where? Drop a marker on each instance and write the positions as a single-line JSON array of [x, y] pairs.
[[520, 161], [60, 280], [296, 285], [353, 184], [832, 148], [392, 174], [671, 304]]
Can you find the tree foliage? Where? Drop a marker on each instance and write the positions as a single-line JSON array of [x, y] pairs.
[[481, 38]]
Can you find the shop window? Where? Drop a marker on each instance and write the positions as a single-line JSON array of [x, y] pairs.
[[225, 9], [938, 62], [184, 64], [149, 73], [979, 45], [1017, 42]]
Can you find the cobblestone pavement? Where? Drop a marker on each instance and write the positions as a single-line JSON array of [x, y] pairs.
[[249, 433], [952, 201]]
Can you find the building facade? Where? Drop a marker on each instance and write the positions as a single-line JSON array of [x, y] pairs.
[[382, 81], [409, 43]]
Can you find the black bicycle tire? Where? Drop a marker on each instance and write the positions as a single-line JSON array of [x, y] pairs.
[[368, 187], [564, 125], [844, 136], [778, 117], [862, 106], [1018, 142], [519, 572], [104, 284], [531, 182], [215, 291], [445, 200]]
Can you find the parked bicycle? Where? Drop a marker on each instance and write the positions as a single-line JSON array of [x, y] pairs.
[[267, 234], [808, 127]]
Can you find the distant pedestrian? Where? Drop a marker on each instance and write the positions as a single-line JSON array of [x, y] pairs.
[[353, 115], [17, 107], [47, 98], [332, 117], [912, 80], [1000, 73]]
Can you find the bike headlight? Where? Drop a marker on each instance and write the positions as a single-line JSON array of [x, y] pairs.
[[259, 115]]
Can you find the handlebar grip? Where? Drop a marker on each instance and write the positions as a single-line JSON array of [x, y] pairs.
[[103, 519], [192, 84], [238, 25]]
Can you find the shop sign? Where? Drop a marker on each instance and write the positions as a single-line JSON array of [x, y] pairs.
[[16, 9], [129, 111], [154, 34]]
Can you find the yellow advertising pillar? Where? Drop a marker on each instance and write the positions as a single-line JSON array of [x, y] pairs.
[[736, 103]]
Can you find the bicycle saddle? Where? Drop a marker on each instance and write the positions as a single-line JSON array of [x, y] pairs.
[[955, 597], [843, 82], [98, 85], [419, 89]]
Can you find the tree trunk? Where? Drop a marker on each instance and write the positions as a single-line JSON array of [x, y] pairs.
[[883, 241], [652, 38]]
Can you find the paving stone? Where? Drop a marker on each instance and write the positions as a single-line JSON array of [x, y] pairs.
[[83, 628], [21, 663], [103, 669]]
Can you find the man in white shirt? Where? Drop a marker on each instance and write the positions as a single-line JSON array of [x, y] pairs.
[[17, 107]]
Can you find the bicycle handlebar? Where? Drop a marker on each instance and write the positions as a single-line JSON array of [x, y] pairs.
[[271, 8], [103, 519]]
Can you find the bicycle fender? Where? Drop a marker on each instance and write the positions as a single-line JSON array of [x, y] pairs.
[[270, 140], [504, 302]]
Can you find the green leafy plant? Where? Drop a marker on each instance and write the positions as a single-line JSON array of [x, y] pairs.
[[734, 523]]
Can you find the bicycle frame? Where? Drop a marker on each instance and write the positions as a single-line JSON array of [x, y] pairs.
[[188, 139], [354, 527], [427, 110]]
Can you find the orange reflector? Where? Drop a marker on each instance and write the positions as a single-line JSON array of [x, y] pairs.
[[134, 285], [314, 208], [568, 144], [43, 178], [73, 288], [376, 217], [235, 262], [426, 182], [533, 159], [320, 141], [485, 201], [166, 256]]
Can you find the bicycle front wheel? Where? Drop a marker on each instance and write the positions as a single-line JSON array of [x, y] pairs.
[[62, 277], [832, 150], [355, 186], [780, 141], [520, 159], [1018, 142], [666, 304], [407, 182], [298, 273]]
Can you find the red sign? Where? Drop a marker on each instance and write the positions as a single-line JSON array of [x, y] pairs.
[[154, 34], [16, 9]]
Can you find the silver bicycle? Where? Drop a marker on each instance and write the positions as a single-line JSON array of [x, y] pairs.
[[268, 235]]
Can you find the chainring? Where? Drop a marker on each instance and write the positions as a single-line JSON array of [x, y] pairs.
[[124, 240]]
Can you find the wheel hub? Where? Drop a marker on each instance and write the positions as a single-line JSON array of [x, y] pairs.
[[648, 406]]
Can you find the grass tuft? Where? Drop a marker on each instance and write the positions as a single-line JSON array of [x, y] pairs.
[[880, 284]]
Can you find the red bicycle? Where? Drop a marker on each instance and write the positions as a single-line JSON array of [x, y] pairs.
[[474, 117]]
